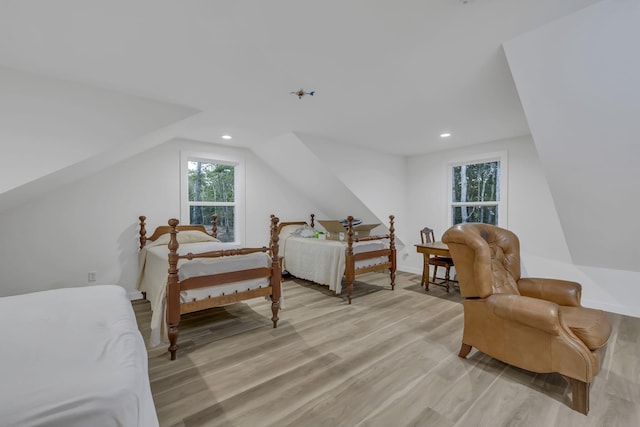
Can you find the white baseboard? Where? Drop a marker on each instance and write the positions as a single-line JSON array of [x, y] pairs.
[[408, 269]]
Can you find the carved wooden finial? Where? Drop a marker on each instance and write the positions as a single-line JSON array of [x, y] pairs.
[[214, 226], [392, 237], [273, 241], [313, 216], [143, 231], [173, 239]]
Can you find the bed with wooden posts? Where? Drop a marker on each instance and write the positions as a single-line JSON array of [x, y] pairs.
[[327, 262], [203, 273]]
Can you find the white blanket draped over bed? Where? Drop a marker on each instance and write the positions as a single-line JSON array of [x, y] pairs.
[[324, 261], [152, 277], [73, 357]]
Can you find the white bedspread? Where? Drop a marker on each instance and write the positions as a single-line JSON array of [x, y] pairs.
[[324, 261], [73, 357], [154, 266]]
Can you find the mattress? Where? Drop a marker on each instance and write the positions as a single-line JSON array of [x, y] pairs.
[[73, 357]]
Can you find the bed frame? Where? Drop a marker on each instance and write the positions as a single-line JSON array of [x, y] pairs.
[[174, 309], [350, 270]]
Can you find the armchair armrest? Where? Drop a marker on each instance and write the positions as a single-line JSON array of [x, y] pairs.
[[562, 292], [533, 312]]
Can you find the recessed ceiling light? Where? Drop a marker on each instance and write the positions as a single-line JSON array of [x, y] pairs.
[[445, 135], [226, 136]]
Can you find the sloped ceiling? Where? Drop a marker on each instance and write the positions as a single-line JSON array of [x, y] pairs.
[[388, 75], [53, 131], [310, 176], [578, 81], [51, 123]]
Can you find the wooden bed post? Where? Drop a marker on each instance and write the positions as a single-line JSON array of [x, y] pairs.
[[312, 220], [173, 291], [143, 231], [392, 246], [214, 226], [276, 273], [350, 273]]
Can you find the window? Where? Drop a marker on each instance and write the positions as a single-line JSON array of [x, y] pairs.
[[477, 191], [213, 187]]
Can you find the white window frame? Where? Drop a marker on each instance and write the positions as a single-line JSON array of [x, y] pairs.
[[502, 157], [238, 182]]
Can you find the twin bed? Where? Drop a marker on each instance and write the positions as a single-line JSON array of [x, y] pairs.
[[327, 262], [223, 273], [73, 357]]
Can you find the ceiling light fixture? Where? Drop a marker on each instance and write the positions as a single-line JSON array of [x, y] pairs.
[[445, 135], [300, 93], [226, 136]]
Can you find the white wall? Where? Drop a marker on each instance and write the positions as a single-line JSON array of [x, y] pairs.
[[531, 212], [578, 82], [377, 179], [91, 225], [532, 216]]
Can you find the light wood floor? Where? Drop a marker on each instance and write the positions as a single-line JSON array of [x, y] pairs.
[[389, 359]]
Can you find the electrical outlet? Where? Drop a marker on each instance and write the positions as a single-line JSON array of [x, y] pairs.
[[92, 276]]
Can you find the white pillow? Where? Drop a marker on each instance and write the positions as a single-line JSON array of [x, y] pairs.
[[185, 236], [297, 231], [307, 232], [304, 231]]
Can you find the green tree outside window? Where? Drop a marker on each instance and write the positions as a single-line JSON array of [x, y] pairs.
[[212, 191], [475, 193]]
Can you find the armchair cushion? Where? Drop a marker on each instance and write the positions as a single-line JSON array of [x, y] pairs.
[[562, 292], [591, 326]]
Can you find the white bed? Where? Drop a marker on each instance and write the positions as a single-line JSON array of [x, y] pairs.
[[326, 262], [152, 277], [184, 269], [73, 357]]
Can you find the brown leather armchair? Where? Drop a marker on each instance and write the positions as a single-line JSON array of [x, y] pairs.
[[532, 323]]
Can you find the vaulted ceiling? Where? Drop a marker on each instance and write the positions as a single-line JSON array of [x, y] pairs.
[[388, 75]]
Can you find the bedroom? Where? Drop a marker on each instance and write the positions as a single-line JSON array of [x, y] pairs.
[[79, 193]]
